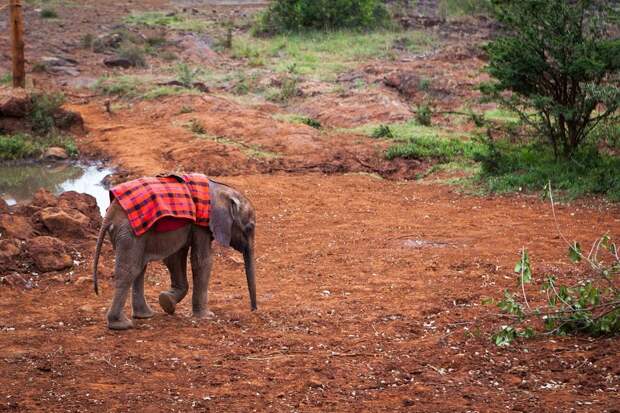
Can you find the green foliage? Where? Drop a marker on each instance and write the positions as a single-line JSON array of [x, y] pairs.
[[174, 21], [559, 61], [6, 79], [44, 106], [507, 167], [591, 306], [313, 123], [299, 15], [22, 146], [186, 75], [134, 54], [124, 86], [382, 131], [424, 115], [440, 150], [48, 13], [455, 8], [196, 127]]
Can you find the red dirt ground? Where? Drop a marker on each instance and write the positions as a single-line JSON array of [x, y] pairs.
[[369, 289]]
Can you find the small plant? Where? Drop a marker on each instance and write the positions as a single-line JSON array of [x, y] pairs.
[[48, 13], [133, 54], [44, 106], [424, 115], [6, 79], [196, 127], [18, 146], [424, 84], [311, 122], [590, 306], [382, 131], [87, 41], [186, 75], [186, 109]]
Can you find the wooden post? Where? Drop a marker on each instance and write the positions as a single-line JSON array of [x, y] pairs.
[[17, 38]]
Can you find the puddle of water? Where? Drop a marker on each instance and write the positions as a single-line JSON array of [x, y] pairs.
[[19, 182]]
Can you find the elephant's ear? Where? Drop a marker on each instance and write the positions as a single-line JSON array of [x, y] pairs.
[[221, 216]]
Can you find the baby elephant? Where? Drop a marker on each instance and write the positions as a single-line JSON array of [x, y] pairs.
[[231, 221]]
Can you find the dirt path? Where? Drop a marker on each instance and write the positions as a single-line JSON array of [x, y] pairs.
[[369, 299]]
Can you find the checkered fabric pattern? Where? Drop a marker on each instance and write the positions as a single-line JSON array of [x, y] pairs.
[[146, 200]]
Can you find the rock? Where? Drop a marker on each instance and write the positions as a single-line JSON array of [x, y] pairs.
[[118, 62], [14, 102], [15, 226], [55, 153], [86, 204], [63, 223], [44, 198], [49, 254], [4, 207], [9, 252], [63, 70], [84, 280], [406, 83], [52, 61]]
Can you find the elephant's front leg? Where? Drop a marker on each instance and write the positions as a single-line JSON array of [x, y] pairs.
[[177, 265], [140, 307], [201, 271]]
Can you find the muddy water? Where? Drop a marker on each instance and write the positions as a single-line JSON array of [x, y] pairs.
[[19, 182]]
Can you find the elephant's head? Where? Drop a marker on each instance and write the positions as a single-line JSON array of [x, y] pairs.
[[232, 220]]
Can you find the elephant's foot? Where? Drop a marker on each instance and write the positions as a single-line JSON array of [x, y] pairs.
[[120, 323], [204, 314], [167, 302], [144, 312]]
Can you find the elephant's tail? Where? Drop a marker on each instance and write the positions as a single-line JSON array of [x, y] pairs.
[[104, 228]]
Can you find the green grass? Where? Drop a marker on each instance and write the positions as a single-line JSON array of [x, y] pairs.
[[401, 132], [48, 13], [458, 8], [324, 55], [6, 79], [137, 87], [508, 168], [251, 151], [297, 119], [161, 19], [440, 150], [22, 146]]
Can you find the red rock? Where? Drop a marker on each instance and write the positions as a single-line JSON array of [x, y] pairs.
[[44, 198], [10, 250], [15, 103], [15, 226], [86, 204], [49, 254], [64, 222]]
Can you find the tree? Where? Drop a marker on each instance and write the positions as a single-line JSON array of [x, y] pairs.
[[557, 66]]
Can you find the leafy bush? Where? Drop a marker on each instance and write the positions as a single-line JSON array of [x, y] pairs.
[[16, 147], [382, 131], [424, 115], [44, 106], [506, 167], [134, 54], [299, 15], [558, 60], [313, 123], [590, 306], [48, 14]]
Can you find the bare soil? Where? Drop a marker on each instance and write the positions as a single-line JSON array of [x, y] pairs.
[[369, 285]]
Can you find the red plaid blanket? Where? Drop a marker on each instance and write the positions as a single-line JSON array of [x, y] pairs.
[[147, 200]]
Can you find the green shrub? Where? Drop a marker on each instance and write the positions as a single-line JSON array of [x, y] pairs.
[[557, 61], [424, 115], [440, 150], [16, 147], [299, 15], [382, 131], [44, 106], [134, 54], [48, 14], [506, 168], [313, 123]]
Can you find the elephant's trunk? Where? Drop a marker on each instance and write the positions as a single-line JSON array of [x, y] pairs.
[[248, 258]]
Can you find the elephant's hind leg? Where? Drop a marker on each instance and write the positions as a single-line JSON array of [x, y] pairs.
[[177, 265], [125, 272], [140, 307]]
